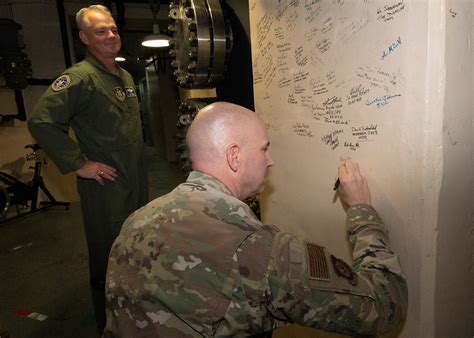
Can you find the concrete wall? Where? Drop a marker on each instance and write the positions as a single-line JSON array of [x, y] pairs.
[[454, 290], [386, 83]]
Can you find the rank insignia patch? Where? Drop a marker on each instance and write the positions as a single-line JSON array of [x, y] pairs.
[[130, 92], [318, 267], [344, 270], [61, 83], [120, 93]]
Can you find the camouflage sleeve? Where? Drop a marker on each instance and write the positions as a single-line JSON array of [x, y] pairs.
[[311, 287]]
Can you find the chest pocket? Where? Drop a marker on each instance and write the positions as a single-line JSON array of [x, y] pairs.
[[114, 113]]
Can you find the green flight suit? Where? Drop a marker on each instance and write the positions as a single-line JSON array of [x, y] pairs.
[[103, 110]]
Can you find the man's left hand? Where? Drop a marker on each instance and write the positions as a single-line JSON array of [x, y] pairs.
[[97, 171]]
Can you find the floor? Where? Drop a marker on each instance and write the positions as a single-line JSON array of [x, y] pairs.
[[44, 282]]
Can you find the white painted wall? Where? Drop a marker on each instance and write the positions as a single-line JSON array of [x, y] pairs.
[[454, 293], [381, 82]]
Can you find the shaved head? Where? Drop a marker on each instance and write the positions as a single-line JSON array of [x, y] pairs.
[[216, 126], [222, 141]]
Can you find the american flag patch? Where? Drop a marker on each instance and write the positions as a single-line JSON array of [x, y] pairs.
[[318, 267]]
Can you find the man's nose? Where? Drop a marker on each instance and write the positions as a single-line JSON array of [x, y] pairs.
[[270, 160], [112, 34]]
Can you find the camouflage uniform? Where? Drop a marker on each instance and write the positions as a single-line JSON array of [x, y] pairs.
[[197, 262], [103, 110]]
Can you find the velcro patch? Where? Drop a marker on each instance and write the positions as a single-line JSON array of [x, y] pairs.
[[130, 92], [344, 270], [318, 267], [61, 83], [120, 93]]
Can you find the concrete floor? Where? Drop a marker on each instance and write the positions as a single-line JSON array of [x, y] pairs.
[[43, 267]]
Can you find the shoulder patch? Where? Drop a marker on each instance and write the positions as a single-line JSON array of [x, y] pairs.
[[61, 83], [343, 270], [318, 267]]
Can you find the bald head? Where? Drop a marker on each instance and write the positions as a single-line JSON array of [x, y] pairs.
[[220, 140], [215, 127]]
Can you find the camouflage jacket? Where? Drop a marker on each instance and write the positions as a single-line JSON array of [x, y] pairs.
[[197, 262]]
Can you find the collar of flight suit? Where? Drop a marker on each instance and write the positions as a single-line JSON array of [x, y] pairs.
[[96, 62]]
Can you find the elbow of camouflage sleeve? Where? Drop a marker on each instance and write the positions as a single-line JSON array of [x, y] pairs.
[[392, 303]]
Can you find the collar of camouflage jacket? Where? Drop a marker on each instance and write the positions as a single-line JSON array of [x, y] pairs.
[[197, 177]]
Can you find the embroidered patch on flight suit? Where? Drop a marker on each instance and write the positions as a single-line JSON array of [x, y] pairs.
[[61, 83], [120, 93], [130, 91], [344, 270], [318, 267]]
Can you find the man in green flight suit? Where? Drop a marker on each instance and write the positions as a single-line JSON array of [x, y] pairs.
[[97, 99], [197, 262]]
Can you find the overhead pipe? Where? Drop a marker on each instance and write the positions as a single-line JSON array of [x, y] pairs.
[[64, 36]]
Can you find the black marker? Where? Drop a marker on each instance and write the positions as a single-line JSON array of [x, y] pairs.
[[336, 185]]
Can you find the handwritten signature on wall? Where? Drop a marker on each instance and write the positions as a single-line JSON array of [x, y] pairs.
[[391, 48], [382, 101]]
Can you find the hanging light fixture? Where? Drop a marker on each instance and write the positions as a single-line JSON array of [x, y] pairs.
[[122, 55], [156, 39]]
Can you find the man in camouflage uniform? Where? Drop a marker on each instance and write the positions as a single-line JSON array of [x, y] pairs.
[[97, 98], [197, 262]]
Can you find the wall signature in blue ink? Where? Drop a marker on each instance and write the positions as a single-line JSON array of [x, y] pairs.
[[382, 101], [391, 48]]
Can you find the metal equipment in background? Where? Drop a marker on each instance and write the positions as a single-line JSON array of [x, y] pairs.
[[14, 65], [201, 45], [201, 42], [187, 110], [24, 196]]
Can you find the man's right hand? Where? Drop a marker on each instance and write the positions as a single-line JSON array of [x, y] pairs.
[[353, 188], [97, 171]]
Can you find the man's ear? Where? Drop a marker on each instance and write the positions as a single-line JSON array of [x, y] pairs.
[[233, 156], [83, 37]]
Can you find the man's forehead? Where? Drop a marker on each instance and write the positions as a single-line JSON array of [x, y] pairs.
[[261, 137], [105, 25], [105, 19]]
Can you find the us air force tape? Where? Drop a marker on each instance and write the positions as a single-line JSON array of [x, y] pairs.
[[61, 83], [318, 267]]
